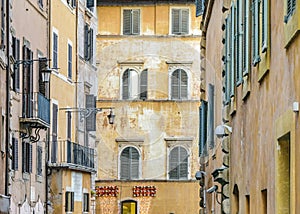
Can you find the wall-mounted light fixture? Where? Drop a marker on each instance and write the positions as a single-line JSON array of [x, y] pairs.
[[222, 130]]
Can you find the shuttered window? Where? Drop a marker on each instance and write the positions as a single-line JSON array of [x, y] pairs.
[[129, 164], [246, 39], [55, 51], [70, 61], [54, 134], [26, 157], [86, 202], [2, 45], [255, 32], [232, 52], [90, 104], [203, 128], [130, 85], [90, 4], [125, 85], [240, 41], [200, 6], [16, 55], [143, 84], [43, 64], [179, 84], [290, 8], [39, 153], [15, 153], [265, 23], [88, 43], [131, 22], [180, 21], [211, 125], [178, 163], [69, 202], [69, 125]]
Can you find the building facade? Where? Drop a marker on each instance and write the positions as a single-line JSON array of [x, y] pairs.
[[148, 65], [260, 100]]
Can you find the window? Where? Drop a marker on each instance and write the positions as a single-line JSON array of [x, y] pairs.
[[200, 6], [54, 134], [26, 157], [255, 32], [130, 84], [72, 3], [179, 84], [90, 4], [69, 206], [180, 21], [69, 125], [90, 121], [129, 164], [203, 128], [15, 153], [16, 55], [69, 61], [88, 43], [290, 9], [41, 4], [131, 22], [143, 85], [265, 23], [210, 116], [178, 163], [39, 153], [55, 50], [2, 45], [129, 207], [27, 110], [86, 202]]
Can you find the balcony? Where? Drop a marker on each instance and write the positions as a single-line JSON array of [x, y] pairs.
[[67, 154], [35, 110]]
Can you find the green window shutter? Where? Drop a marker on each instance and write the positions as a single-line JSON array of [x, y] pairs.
[[69, 61], [90, 105], [29, 150], [185, 21], [15, 152], [246, 40], [126, 22], [135, 22], [210, 124], [55, 50], [265, 23], [39, 152], [69, 125], [240, 42], [203, 128], [200, 6], [143, 84], [91, 49], [175, 21], [232, 54], [86, 39], [125, 84], [255, 32]]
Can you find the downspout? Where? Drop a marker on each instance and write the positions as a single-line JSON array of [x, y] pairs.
[[7, 135], [47, 149]]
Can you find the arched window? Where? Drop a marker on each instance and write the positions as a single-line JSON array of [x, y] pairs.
[[179, 84], [129, 207], [178, 163], [129, 164], [134, 86]]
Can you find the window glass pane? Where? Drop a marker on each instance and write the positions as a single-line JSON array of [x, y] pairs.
[[129, 207]]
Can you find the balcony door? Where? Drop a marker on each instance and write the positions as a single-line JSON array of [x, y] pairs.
[[27, 84]]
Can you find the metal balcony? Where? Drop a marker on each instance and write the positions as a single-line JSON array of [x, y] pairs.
[[35, 110], [67, 154]]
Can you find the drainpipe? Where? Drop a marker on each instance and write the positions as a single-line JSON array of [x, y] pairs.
[[7, 135]]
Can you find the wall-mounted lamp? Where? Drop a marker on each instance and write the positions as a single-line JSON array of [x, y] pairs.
[[222, 130]]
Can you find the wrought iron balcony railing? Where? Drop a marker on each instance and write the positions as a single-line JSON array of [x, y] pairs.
[[35, 110], [71, 155]]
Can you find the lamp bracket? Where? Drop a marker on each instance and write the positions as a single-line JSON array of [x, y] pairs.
[[27, 62], [85, 112]]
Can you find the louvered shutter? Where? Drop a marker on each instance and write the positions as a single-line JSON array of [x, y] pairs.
[[143, 84], [90, 3], [173, 163], [183, 163], [175, 21], [246, 39], [240, 40], [185, 21], [16, 54], [15, 152], [210, 124], [125, 84], [54, 134], [126, 22], [86, 39], [24, 157], [135, 22], [175, 85], [232, 54], [134, 158], [55, 50], [203, 128], [125, 164], [29, 157], [69, 125], [265, 23], [90, 104], [183, 85], [200, 6], [39, 160], [43, 64], [255, 30], [91, 49], [70, 61]]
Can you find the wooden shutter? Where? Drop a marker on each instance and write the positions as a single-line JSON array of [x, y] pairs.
[[69, 125], [85, 202], [184, 21], [183, 84], [232, 52], [24, 157], [16, 55], [134, 160], [183, 163], [210, 124], [90, 105], [143, 84], [91, 49], [125, 84], [125, 164], [175, 85], [203, 128], [240, 40], [70, 61], [135, 22], [265, 23], [86, 38], [55, 50], [90, 3], [15, 152], [69, 202], [246, 39], [43, 64], [39, 160], [29, 157], [54, 134], [126, 22], [173, 163], [200, 6], [175, 21], [255, 32]]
